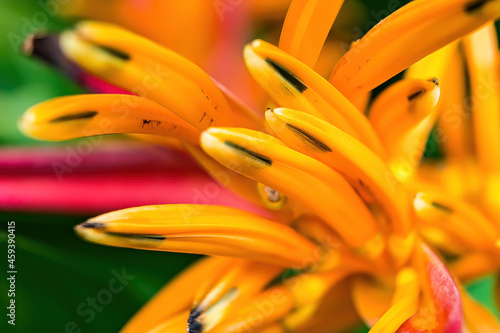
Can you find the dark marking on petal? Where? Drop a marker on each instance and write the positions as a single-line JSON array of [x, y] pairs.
[[75, 116], [194, 314], [442, 207], [475, 5], [194, 323], [203, 117], [195, 327], [310, 138], [92, 225], [151, 123], [262, 158], [292, 79], [114, 52], [434, 80], [138, 237], [414, 96]]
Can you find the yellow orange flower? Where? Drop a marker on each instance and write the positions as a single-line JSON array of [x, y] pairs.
[[346, 207]]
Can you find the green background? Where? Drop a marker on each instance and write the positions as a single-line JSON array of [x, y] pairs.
[[57, 271]]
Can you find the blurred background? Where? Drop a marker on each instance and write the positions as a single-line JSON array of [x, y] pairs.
[[59, 274]]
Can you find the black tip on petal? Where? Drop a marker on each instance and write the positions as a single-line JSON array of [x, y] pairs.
[[195, 327], [434, 80], [47, 48], [92, 225]]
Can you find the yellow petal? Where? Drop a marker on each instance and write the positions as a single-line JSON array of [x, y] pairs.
[[309, 291], [454, 126], [336, 255], [481, 49], [306, 27], [202, 229], [403, 116], [458, 218], [406, 36], [491, 197], [477, 318], [473, 266], [335, 307], [161, 307], [79, 116], [264, 310], [276, 328], [294, 85], [239, 284], [172, 325], [146, 69], [371, 298], [278, 204], [301, 178], [404, 303], [360, 166]]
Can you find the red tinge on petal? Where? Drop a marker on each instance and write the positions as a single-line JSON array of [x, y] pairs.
[[98, 86], [441, 310]]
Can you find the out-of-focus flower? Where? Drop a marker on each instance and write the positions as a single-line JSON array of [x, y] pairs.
[[458, 200], [338, 188]]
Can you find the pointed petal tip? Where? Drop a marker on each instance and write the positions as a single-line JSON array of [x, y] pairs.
[[36, 42], [28, 45], [91, 225], [41, 45], [255, 43], [434, 80]]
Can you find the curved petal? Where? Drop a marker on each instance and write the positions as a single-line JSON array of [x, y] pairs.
[[305, 180], [440, 308], [440, 22], [202, 229]]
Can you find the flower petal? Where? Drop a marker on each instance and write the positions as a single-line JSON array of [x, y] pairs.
[[278, 206], [72, 117], [144, 68], [280, 300], [473, 265], [306, 27], [433, 24], [481, 51], [294, 85], [404, 303], [47, 48], [237, 285], [361, 167], [403, 116], [448, 64], [463, 221], [203, 229], [299, 177], [440, 308], [477, 318], [161, 307]]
